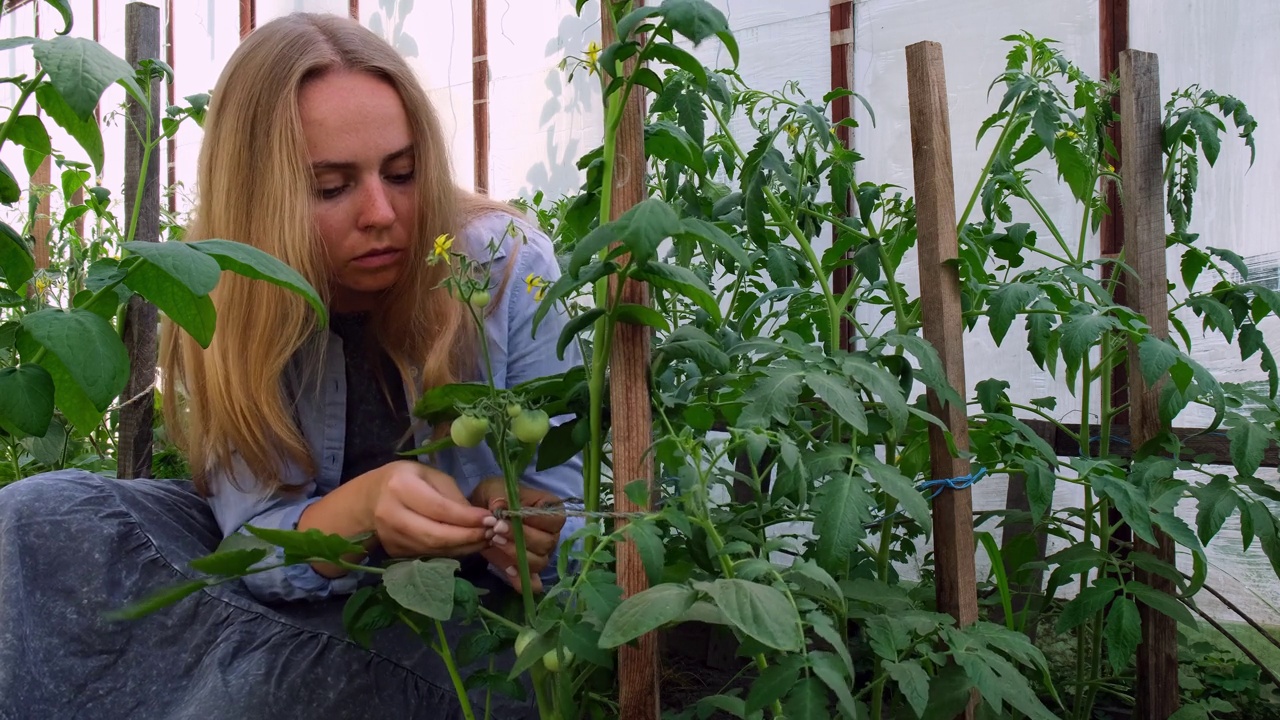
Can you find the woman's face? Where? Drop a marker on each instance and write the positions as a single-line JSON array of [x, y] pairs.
[[360, 147]]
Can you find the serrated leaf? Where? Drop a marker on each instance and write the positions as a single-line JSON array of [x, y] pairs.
[[648, 543], [1249, 443], [696, 20], [1089, 602], [1217, 500], [882, 386], [306, 545], [693, 343], [773, 683], [701, 229], [1081, 332], [1156, 357], [1160, 602], [681, 280], [913, 683], [829, 669], [842, 510], [773, 397], [1041, 483], [1073, 167], [1128, 499], [836, 393], [991, 394], [900, 488], [1006, 302], [807, 701], [640, 229]]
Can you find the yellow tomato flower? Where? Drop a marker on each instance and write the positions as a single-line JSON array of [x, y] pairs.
[[593, 52], [536, 285], [443, 243]]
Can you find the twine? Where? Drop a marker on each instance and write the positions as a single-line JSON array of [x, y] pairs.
[[560, 507]]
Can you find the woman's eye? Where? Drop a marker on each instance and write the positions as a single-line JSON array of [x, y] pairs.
[[401, 178], [329, 193]]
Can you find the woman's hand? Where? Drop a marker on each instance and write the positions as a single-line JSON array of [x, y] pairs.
[[419, 510], [541, 532]]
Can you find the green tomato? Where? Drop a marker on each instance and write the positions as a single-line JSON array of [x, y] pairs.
[[523, 640], [468, 430], [479, 298], [514, 409], [552, 661], [531, 426]]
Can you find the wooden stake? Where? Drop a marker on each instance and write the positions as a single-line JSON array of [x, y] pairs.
[[842, 32], [632, 423], [1144, 232], [142, 41], [940, 296], [248, 17], [480, 92]]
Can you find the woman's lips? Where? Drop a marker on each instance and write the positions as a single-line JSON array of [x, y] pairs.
[[379, 258]]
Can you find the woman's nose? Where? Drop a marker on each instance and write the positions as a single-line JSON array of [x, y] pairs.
[[376, 210]]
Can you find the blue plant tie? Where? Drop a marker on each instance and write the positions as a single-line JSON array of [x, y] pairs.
[[956, 483]]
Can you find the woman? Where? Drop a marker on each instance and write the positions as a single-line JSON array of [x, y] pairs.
[[321, 149]]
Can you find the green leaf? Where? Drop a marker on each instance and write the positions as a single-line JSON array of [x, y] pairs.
[[836, 393], [816, 583], [230, 563], [16, 261], [1041, 482], [28, 131], [883, 386], [81, 70], [156, 601], [760, 611], [1161, 602], [567, 284], [64, 9], [949, 693], [807, 701], [85, 132], [900, 488], [195, 313], [1156, 357], [301, 546], [640, 230], [366, 611], [1006, 302], [67, 395], [26, 400], [1206, 127], [1089, 602], [645, 611], [842, 510], [1131, 502], [574, 326], [1194, 261], [831, 671], [602, 593], [1217, 501], [913, 683], [9, 190], [1079, 333], [931, 370], [640, 315], [87, 346], [253, 263], [991, 395], [196, 271], [632, 20], [773, 397], [696, 20], [773, 683], [693, 343], [1123, 632], [1249, 443], [423, 586], [1193, 711], [680, 280], [666, 141], [1073, 167], [648, 542], [701, 229]]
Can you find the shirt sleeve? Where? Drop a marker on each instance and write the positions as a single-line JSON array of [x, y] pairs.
[[234, 508]]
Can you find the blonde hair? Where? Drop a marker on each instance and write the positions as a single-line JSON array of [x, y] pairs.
[[255, 187]]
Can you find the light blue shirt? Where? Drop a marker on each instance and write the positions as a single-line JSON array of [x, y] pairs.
[[320, 397]]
